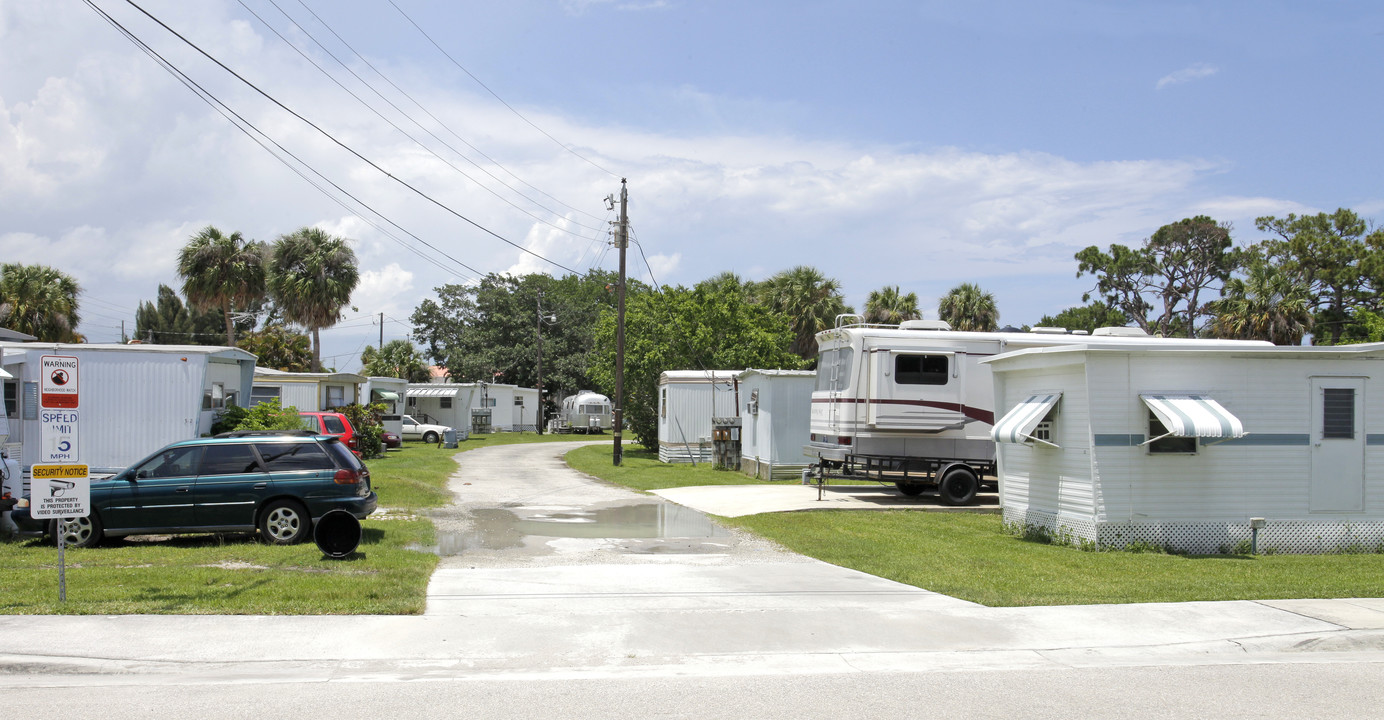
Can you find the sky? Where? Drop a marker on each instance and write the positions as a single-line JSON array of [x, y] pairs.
[[918, 144]]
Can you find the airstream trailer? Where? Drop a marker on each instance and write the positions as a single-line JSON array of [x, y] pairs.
[[912, 405], [585, 412]]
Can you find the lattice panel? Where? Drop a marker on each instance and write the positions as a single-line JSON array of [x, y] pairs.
[[1064, 526]]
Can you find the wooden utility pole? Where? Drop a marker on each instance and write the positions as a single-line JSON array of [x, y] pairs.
[[621, 242], [538, 330]]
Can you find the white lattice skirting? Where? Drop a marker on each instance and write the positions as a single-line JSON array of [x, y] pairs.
[[1208, 538]]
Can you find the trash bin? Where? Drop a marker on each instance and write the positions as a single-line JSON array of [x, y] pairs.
[[449, 438], [337, 534]]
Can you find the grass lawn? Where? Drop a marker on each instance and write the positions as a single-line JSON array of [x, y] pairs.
[[235, 574], [970, 556]]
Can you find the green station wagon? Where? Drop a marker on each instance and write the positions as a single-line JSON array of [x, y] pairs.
[[274, 484]]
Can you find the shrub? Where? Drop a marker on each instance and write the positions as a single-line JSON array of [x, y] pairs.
[[365, 420], [267, 415]]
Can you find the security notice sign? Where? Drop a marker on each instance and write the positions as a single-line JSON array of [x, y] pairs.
[[60, 491], [58, 382]]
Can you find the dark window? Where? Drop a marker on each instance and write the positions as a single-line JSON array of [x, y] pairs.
[[446, 403], [177, 462], [262, 393], [1338, 413], [229, 460], [1170, 445], [344, 457], [11, 399], [920, 369], [279, 457], [333, 424]]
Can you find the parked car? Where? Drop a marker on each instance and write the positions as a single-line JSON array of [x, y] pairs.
[[391, 440], [334, 424], [428, 433], [273, 483]]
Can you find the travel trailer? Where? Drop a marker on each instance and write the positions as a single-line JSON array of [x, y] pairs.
[[912, 405], [584, 412]]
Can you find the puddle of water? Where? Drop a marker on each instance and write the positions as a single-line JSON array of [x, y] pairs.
[[512, 527]]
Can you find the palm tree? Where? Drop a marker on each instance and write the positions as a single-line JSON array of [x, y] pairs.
[[1268, 304], [886, 306], [221, 272], [311, 276], [809, 299], [39, 301], [967, 307], [396, 358]]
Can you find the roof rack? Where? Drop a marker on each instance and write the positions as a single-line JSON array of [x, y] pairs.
[[267, 433]]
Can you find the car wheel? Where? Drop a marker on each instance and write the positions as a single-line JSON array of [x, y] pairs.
[[909, 489], [284, 522], [958, 487], [77, 532], [430, 437]]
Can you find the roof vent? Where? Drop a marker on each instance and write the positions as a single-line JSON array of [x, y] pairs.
[[1120, 332], [924, 325], [1080, 332], [1048, 330]]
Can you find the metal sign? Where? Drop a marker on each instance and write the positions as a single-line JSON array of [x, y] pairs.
[[59, 433], [60, 491], [58, 382]]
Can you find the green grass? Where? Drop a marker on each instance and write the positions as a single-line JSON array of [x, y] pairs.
[[235, 574], [970, 556]]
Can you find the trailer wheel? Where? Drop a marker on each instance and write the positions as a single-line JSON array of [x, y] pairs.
[[958, 486], [909, 489]]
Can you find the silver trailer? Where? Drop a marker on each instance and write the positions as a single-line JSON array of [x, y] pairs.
[[584, 412]]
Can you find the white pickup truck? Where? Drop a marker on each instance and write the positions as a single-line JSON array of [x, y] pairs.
[[414, 430]]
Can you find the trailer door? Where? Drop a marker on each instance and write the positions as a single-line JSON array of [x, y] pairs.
[[917, 390]]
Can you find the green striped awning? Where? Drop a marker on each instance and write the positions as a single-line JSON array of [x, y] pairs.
[[1193, 416], [1017, 425]]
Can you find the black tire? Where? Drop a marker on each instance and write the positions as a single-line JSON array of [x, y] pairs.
[[909, 489], [78, 532], [284, 522], [958, 486], [430, 437]]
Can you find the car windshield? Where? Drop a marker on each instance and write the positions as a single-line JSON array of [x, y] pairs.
[[408, 420], [333, 424]]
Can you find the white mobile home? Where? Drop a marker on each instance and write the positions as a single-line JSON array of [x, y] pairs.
[[132, 399], [390, 392], [776, 411], [687, 400], [512, 408], [1183, 448], [307, 391]]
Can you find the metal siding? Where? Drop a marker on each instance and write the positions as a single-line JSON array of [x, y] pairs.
[[132, 405], [691, 405], [303, 396], [1050, 480]]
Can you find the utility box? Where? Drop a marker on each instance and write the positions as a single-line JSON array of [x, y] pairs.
[[480, 421], [725, 442]]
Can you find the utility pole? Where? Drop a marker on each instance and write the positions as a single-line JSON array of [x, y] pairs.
[[538, 330], [621, 242], [381, 347]]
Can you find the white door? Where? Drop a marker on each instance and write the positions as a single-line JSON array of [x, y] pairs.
[[916, 390], [1338, 445]]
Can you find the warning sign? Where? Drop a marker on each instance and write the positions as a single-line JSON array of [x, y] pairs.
[[58, 382], [60, 491]]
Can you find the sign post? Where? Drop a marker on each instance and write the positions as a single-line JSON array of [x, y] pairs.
[[59, 491]]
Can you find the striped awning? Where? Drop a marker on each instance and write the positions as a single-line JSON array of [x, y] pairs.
[[434, 392], [1017, 425], [385, 395], [1193, 416]]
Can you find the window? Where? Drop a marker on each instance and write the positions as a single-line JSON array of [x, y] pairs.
[[446, 403], [412, 402], [263, 393], [336, 395], [178, 462], [487, 402], [279, 457], [1043, 430], [333, 424], [663, 403], [214, 397], [229, 460], [518, 402], [1338, 413], [920, 369], [834, 369], [1168, 445], [11, 399]]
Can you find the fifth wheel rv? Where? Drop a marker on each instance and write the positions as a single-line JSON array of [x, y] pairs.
[[912, 405]]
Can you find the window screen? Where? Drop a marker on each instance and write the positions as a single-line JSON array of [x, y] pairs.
[[920, 369], [280, 457], [1338, 413], [228, 460], [446, 403]]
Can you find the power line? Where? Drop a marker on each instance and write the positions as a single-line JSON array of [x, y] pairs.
[[339, 143], [497, 97]]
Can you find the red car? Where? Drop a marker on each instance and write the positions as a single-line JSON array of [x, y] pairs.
[[332, 423], [391, 440]]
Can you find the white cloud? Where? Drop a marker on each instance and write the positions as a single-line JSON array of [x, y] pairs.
[[1187, 74]]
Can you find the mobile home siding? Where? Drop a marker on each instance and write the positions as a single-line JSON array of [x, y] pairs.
[[772, 439], [687, 402]]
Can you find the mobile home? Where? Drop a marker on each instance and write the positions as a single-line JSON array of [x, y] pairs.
[[390, 392], [687, 400], [583, 412], [306, 391], [775, 407], [913, 404], [1191, 449], [511, 408]]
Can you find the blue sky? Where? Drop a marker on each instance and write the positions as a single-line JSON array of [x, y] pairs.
[[918, 144]]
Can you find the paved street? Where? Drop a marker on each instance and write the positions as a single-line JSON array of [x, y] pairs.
[[550, 576]]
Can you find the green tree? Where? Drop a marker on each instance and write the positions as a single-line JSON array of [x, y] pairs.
[[967, 307], [311, 277], [709, 327], [886, 306], [1086, 317], [397, 359], [1331, 255], [40, 301], [170, 321], [222, 272], [809, 299], [279, 348], [267, 415], [1267, 304], [1176, 265]]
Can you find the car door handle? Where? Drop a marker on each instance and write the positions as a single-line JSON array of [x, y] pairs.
[[181, 489], [261, 486]]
